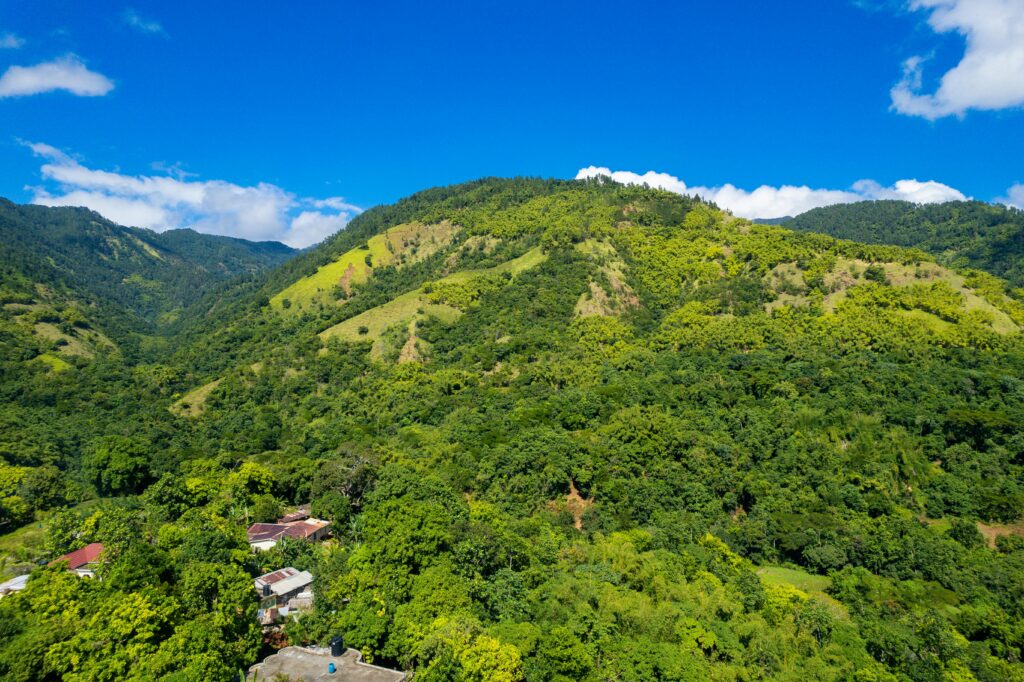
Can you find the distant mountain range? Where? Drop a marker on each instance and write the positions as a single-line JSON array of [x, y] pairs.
[[965, 234], [74, 266]]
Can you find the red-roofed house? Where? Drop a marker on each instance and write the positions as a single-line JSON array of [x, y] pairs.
[[83, 561], [263, 536], [301, 513]]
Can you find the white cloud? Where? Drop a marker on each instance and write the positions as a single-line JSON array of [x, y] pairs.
[[136, 21], [1014, 197], [10, 41], [775, 202], [336, 203], [311, 227], [928, 192], [990, 75], [67, 73], [161, 202]]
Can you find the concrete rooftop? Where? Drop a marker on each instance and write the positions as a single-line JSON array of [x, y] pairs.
[[310, 665]]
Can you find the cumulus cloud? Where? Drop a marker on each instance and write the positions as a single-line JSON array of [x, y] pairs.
[[990, 75], [787, 200], [67, 73], [1014, 197], [10, 41], [161, 202], [928, 192], [133, 19]]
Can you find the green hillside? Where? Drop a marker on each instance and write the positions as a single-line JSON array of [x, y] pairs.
[[77, 284], [563, 430], [964, 234]]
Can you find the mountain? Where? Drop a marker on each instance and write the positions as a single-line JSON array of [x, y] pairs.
[[961, 234], [562, 430], [73, 278], [773, 221]]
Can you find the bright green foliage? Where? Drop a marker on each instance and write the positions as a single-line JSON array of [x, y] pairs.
[[968, 234], [117, 464], [757, 454]]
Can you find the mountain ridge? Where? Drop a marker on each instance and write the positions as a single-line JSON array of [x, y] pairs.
[[133, 281], [561, 430], [971, 234]]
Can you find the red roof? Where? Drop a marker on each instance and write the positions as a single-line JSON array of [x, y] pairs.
[[302, 529], [262, 532], [276, 576], [89, 554]]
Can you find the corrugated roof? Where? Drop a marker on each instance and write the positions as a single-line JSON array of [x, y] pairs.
[[80, 557], [292, 583], [14, 584], [297, 515], [275, 576], [261, 532], [303, 529]]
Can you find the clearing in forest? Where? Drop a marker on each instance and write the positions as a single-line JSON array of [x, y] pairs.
[[399, 245], [369, 325], [193, 403]]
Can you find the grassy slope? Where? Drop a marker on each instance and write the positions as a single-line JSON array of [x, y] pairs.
[[400, 244], [812, 585], [848, 273], [410, 305], [193, 403]]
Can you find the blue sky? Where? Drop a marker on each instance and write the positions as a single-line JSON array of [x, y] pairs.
[[262, 120]]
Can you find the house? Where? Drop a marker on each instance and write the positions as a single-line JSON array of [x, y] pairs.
[[13, 585], [313, 664], [301, 513], [263, 536], [83, 561], [282, 592]]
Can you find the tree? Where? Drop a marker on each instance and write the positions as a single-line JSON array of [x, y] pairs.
[[117, 464], [63, 533], [266, 510]]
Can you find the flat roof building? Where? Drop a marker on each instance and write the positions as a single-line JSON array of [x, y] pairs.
[[314, 665]]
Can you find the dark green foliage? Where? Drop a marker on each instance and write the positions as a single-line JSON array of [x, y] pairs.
[[124, 281], [743, 468], [967, 234]]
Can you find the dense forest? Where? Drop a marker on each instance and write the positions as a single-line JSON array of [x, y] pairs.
[[963, 234], [562, 430], [95, 286]]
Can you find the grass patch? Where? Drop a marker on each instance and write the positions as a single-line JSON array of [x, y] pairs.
[[530, 259], [848, 273], [20, 547], [55, 363], [811, 584], [375, 320], [930, 320], [350, 267], [193, 403], [414, 304], [399, 245], [991, 531], [942, 525]]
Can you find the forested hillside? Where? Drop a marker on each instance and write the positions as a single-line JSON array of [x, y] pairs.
[[74, 285], [966, 234], [562, 431]]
